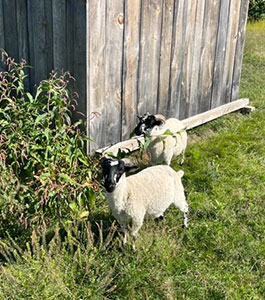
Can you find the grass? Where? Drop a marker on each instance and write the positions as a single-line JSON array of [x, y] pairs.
[[220, 255]]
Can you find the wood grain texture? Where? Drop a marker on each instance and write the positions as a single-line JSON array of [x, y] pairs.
[[165, 56], [97, 93], [22, 32], [196, 67], [185, 99], [59, 34], [78, 67], [10, 27], [232, 35], [214, 113], [177, 58], [151, 18], [217, 86], [239, 49], [130, 66], [2, 27], [207, 57], [113, 71], [40, 39]]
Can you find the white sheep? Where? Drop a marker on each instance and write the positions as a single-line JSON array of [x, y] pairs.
[[168, 138], [149, 192]]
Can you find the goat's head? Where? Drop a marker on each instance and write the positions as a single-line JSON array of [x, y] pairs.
[[147, 122], [113, 169]]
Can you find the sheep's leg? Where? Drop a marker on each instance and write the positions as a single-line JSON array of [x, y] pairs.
[[124, 230], [182, 158], [185, 211], [136, 226]]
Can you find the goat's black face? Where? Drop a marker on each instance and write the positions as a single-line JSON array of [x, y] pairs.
[[112, 172], [146, 122]]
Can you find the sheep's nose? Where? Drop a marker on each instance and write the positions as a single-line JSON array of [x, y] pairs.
[[109, 186]]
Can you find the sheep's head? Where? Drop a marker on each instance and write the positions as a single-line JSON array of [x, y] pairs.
[[147, 122], [113, 169]]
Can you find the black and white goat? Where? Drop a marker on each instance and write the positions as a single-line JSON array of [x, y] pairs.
[[149, 192], [168, 137]]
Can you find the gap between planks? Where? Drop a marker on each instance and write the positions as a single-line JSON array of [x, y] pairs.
[[189, 123]]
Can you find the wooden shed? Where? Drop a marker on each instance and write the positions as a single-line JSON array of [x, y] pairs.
[[174, 57]]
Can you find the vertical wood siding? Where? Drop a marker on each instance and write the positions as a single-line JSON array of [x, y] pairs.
[[175, 57]]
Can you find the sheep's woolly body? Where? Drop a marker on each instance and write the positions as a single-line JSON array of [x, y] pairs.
[[149, 192], [163, 147]]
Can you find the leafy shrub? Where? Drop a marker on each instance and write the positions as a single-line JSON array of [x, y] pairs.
[[46, 175], [256, 10]]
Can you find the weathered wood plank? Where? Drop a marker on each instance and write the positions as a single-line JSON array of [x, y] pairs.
[[70, 47], [113, 71], [130, 66], [97, 42], [217, 86], [87, 112], [177, 57], [208, 55], [197, 63], [165, 56], [79, 56], [214, 113], [59, 34], [188, 60], [40, 39], [2, 35], [197, 120], [22, 41], [10, 28], [149, 55], [239, 49], [230, 50], [125, 146]]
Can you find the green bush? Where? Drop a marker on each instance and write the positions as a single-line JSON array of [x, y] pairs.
[[256, 10], [46, 175]]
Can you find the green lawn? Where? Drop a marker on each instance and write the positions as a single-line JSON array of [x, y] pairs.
[[220, 256]]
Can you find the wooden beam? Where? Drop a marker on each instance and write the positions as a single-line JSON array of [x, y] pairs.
[[215, 113], [126, 146], [197, 120]]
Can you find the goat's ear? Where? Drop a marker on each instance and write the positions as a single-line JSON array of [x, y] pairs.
[[139, 117]]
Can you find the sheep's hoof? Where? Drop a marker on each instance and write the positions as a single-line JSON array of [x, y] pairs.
[[161, 218]]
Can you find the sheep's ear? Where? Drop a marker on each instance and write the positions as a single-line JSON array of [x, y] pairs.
[[159, 122], [131, 169], [129, 166], [103, 160]]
